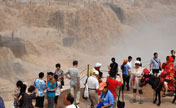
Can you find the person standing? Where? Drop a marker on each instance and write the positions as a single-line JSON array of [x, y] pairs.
[[113, 66], [2, 105], [126, 74], [136, 76], [112, 86], [17, 93], [106, 99], [28, 97], [74, 75], [40, 86], [58, 90], [174, 57], [93, 86], [130, 65], [22, 92], [60, 73], [173, 54], [51, 89], [155, 64], [69, 101], [100, 74], [130, 61], [97, 68], [139, 59]]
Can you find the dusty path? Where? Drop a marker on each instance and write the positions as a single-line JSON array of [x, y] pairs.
[[166, 102]]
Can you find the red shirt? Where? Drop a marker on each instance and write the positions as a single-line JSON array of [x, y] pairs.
[[112, 85]]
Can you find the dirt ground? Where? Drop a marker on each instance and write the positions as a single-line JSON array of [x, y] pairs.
[[166, 102]]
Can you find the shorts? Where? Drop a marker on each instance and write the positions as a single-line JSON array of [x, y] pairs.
[[136, 84], [55, 99], [39, 102], [155, 70], [166, 80]]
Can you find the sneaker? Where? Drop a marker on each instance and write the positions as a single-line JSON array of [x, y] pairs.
[[141, 102], [133, 101]]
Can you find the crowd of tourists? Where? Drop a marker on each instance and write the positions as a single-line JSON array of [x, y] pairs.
[[102, 94]]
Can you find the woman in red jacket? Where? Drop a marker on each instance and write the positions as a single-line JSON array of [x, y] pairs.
[[169, 72]]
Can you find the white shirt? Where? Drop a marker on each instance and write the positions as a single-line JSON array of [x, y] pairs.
[[93, 83], [130, 64], [72, 106], [137, 72]]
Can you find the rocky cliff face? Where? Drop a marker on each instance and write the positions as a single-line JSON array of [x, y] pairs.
[[73, 26]]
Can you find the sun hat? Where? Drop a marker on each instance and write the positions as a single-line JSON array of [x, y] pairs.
[[102, 85], [96, 72], [98, 65], [137, 62], [125, 61]]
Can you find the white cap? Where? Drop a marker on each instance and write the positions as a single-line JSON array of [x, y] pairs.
[[96, 72], [137, 62], [98, 65]]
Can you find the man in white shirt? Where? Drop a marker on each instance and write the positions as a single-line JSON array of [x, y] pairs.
[[69, 101], [130, 65], [93, 86], [130, 61]]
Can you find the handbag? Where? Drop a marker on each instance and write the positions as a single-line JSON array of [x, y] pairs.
[[85, 94], [120, 104], [100, 105]]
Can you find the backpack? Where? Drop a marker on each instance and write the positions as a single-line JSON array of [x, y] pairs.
[[2, 103]]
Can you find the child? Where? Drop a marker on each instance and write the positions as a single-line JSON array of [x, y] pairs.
[[58, 89], [17, 93]]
